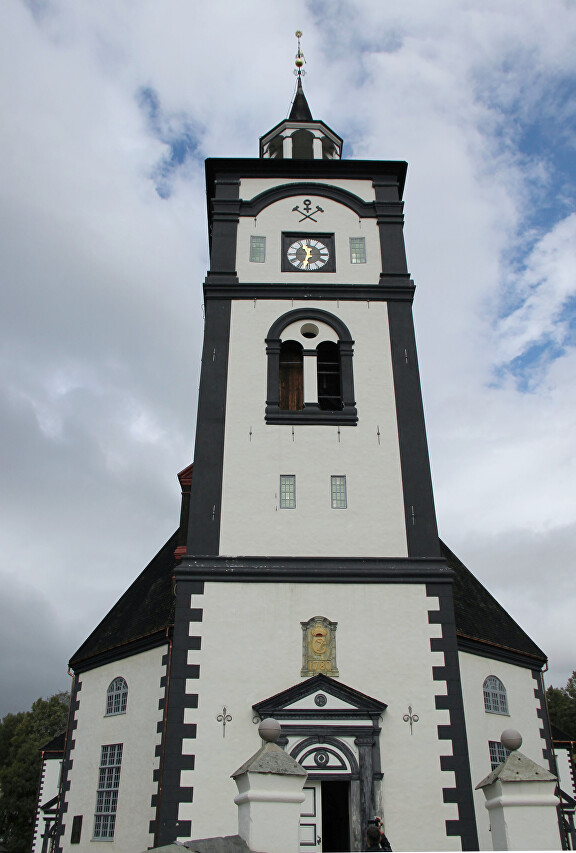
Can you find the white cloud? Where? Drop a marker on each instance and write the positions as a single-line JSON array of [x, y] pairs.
[[543, 287], [101, 323]]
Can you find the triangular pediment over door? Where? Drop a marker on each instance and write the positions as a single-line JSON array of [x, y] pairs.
[[320, 698]]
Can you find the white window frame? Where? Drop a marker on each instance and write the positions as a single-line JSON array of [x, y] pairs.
[[107, 791], [338, 491], [357, 250], [116, 697], [287, 491], [495, 696], [257, 248]]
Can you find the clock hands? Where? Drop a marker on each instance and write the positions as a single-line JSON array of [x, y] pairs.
[[308, 251]]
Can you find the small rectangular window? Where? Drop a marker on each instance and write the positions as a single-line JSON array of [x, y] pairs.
[[498, 753], [258, 249], [357, 250], [107, 793], [338, 492], [287, 491], [76, 829]]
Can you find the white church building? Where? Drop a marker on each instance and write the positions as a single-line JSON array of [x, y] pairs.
[[306, 580]]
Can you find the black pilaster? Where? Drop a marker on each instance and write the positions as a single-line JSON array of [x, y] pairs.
[[167, 826], [206, 491], [67, 762], [451, 700], [421, 529]]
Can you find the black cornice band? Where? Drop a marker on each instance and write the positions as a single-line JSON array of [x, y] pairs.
[[143, 644], [386, 175], [489, 650], [391, 289], [314, 569]]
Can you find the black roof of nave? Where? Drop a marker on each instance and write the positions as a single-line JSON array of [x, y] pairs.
[[146, 611], [479, 617]]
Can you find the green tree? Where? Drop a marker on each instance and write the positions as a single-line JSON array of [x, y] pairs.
[[562, 706], [21, 736]]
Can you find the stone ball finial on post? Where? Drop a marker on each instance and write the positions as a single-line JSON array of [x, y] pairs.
[[521, 801], [270, 730], [270, 793], [511, 739]]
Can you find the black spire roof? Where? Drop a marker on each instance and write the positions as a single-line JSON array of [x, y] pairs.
[[300, 110]]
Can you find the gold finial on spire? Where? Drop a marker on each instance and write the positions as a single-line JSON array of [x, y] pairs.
[[300, 58]]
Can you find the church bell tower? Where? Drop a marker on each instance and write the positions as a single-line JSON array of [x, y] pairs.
[[311, 587]]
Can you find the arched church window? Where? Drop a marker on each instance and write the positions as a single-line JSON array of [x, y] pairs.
[[310, 375], [291, 383], [495, 698], [302, 145], [117, 697]]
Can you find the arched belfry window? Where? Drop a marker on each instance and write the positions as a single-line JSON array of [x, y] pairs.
[[117, 697], [329, 380], [276, 148], [310, 375], [291, 380], [302, 145], [495, 698]]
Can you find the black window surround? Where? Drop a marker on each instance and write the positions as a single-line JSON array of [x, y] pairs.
[[311, 413]]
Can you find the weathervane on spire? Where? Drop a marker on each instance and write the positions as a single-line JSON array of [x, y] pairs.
[[300, 58]]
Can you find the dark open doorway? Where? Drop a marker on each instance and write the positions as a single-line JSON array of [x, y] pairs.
[[335, 817]]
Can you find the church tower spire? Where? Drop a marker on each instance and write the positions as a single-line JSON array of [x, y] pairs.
[[300, 110], [300, 137]]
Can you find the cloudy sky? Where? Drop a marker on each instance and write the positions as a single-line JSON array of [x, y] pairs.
[[109, 110]]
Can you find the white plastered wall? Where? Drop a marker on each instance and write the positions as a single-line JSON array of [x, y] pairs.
[[336, 218], [383, 650], [256, 453], [137, 731], [482, 726]]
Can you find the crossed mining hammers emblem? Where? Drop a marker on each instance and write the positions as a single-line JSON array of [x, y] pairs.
[[307, 204]]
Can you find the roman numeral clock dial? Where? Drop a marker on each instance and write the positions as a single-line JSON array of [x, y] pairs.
[[308, 254]]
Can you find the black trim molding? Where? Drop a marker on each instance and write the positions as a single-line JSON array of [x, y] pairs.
[[313, 569], [135, 647], [489, 650], [68, 760], [548, 748], [167, 826], [542, 714], [394, 288]]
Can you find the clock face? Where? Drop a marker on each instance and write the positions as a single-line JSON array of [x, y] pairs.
[[308, 254]]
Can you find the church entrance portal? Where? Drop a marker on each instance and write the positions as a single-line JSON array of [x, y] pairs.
[[325, 817], [333, 731]]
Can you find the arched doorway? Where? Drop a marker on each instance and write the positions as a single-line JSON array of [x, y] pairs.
[[331, 809]]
